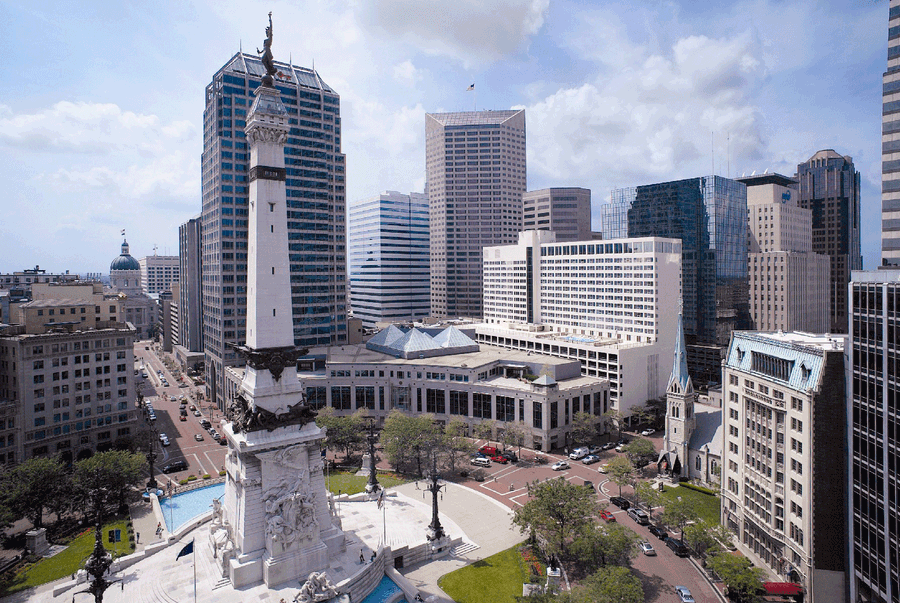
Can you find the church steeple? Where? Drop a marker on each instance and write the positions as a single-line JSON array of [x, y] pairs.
[[680, 399], [680, 379]]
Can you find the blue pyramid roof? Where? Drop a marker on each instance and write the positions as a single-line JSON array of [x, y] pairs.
[[451, 337], [387, 336], [414, 341], [679, 365]]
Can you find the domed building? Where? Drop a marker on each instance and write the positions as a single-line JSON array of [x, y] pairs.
[[125, 279]]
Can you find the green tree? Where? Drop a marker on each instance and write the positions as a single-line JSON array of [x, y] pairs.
[[656, 407], [457, 447], [29, 488], [584, 428], [609, 544], [640, 415], [106, 479], [744, 582], [409, 441], [679, 512], [611, 584], [647, 494], [558, 513], [700, 537], [639, 450], [514, 435], [620, 471], [344, 432], [614, 418], [484, 430]]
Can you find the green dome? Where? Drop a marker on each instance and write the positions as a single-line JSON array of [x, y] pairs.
[[124, 261]]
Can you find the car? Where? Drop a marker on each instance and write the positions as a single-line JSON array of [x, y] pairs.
[[197, 413], [639, 516], [212, 431], [595, 449], [560, 465], [205, 424], [590, 459], [480, 461], [604, 468], [216, 436], [198, 437], [166, 442], [143, 375], [620, 448], [620, 502], [488, 450], [497, 458], [647, 432], [172, 398], [182, 418], [181, 397], [677, 546], [607, 516], [151, 416], [684, 595], [179, 465], [510, 456], [579, 453], [163, 436], [146, 347], [192, 407], [608, 446], [223, 441], [647, 549], [659, 532]]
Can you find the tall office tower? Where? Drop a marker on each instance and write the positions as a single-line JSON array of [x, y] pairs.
[[566, 211], [158, 272], [890, 144], [709, 215], [873, 391], [829, 186], [475, 178], [784, 469], [388, 249], [788, 282], [190, 336], [315, 181]]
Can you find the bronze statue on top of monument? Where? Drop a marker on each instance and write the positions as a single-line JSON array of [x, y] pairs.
[[267, 59]]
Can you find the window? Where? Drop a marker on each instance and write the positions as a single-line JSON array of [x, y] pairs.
[[340, 397], [365, 397], [459, 403], [537, 415], [481, 406], [434, 401], [554, 415], [796, 404]]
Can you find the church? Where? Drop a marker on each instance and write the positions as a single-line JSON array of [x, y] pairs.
[[692, 448]]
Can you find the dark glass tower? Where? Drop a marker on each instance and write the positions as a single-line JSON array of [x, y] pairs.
[[315, 181], [709, 215]]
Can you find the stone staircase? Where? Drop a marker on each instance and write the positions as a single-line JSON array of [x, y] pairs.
[[462, 549]]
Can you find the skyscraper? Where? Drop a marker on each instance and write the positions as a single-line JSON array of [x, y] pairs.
[[158, 272], [315, 181], [388, 249], [890, 144], [709, 215], [189, 332], [873, 393], [564, 210], [475, 177], [829, 186]]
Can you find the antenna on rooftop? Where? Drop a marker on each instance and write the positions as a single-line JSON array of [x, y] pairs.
[[155, 247]]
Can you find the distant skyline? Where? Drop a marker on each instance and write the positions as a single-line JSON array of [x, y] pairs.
[[101, 105]]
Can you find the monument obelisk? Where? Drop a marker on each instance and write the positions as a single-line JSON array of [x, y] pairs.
[[275, 523]]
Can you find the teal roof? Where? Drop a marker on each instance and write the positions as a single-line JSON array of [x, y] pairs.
[[124, 261], [680, 374], [802, 366]]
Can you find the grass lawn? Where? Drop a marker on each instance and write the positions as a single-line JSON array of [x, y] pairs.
[[68, 561], [497, 579], [350, 483], [708, 506]]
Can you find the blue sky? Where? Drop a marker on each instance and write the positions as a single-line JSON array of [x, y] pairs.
[[101, 103]]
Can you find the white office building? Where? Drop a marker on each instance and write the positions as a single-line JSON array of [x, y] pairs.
[[388, 256], [158, 272]]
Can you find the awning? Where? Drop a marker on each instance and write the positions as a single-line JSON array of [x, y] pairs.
[[782, 588]]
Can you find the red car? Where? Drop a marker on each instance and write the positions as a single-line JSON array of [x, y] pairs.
[[499, 459], [607, 516], [489, 450]]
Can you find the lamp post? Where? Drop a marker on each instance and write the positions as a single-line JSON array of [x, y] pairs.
[[435, 485], [151, 453], [372, 486], [100, 560]]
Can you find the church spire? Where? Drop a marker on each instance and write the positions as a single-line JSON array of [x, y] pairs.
[[679, 365]]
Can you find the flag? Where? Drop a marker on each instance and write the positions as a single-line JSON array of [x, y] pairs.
[[470, 88], [123, 232], [381, 498], [187, 550]]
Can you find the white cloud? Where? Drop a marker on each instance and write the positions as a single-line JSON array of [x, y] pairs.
[[172, 175], [406, 73]]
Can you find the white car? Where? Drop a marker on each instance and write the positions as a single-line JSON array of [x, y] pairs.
[[579, 453], [560, 465], [684, 595], [163, 436], [647, 549], [647, 432]]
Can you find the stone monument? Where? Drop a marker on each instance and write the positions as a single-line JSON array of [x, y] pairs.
[[274, 523]]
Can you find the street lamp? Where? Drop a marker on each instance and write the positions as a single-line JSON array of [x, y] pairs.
[[372, 486], [151, 453], [435, 485]]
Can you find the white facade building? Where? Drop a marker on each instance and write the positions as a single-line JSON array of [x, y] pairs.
[[158, 272], [388, 256], [788, 282], [785, 456]]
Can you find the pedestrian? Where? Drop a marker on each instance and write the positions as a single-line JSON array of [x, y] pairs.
[[137, 537], [372, 559], [362, 559]]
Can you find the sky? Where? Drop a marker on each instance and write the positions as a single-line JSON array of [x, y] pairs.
[[101, 103]]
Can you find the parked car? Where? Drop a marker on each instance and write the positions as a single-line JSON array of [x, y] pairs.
[[165, 441], [198, 437], [609, 446], [223, 441], [620, 448], [179, 465], [510, 456], [604, 468], [647, 432], [684, 595], [197, 413], [607, 516], [659, 532], [560, 465], [499, 458], [205, 424], [488, 450], [639, 515], [647, 549], [216, 436], [595, 449], [481, 461], [579, 453], [678, 547], [192, 407], [620, 502], [163, 436], [590, 459]]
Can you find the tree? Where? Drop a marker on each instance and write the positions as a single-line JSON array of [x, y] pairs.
[[620, 471], [657, 408], [700, 537], [611, 584], [648, 494], [106, 479], [408, 441], [345, 432], [30, 486], [514, 435], [484, 430], [639, 450], [558, 513], [455, 443], [614, 418], [744, 581], [678, 512], [584, 428], [609, 544], [641, 415]]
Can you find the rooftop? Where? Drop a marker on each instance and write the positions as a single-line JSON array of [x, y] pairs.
[[249, 64], [470, 118]]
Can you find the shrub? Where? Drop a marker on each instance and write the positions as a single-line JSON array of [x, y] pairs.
[[191, 478], [221, 473], [699, 489], [182, 482], [206, 476]]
